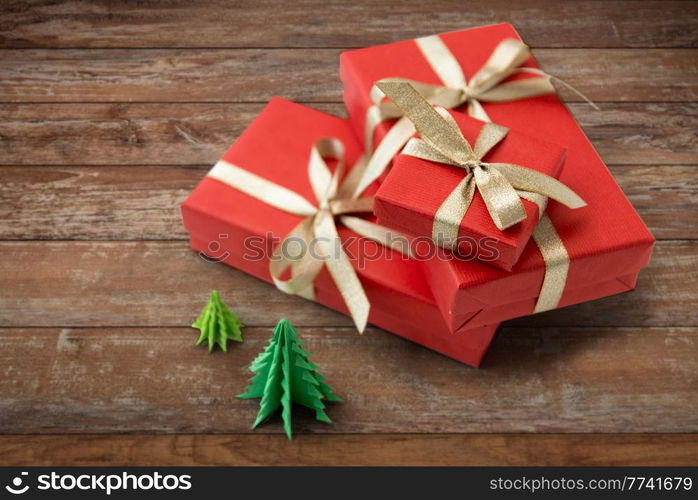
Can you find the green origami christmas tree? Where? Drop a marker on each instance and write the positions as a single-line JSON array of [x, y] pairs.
[[284, 376], [218, 324]]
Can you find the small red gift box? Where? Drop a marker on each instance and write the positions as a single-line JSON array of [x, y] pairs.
[[410, 196], [605, 243], [235, 228]]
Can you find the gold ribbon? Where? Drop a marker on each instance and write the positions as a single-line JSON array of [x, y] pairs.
[[486, 85], [498, 183], [317, 233], [443, 142]]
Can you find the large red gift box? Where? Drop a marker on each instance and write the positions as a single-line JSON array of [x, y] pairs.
[[221, 220], [606, 241], [409, 197]]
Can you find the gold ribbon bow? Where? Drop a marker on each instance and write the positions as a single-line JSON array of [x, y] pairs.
[[443, 142], [316, 235], [486, 85]]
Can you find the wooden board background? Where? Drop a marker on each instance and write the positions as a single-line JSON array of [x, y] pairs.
[[110, 113]]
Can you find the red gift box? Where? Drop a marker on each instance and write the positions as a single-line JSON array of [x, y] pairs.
[[234, 228], [606, 241], [411, 194]]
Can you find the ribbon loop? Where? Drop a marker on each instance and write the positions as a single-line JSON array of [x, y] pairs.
[[506, 57], [304, 269], [442, 135], [488, 84], [420, 149], [489, 137], [323, 182]]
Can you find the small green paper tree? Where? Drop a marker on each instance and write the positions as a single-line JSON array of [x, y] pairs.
[[285, 376], [218, 324]]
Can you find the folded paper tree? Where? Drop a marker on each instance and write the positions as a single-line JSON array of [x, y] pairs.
[[284, 375], [218, 324]]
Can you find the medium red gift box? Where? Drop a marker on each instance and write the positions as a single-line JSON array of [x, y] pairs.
[[410, 196], [222, 220], [606, 242]]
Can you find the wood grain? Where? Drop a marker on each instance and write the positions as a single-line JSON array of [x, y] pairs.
[[198, 133], [163, 284], [310, 75], [142, 203], [95, 203], [97, 380], [110, 112], [303, 23], [352, 450]]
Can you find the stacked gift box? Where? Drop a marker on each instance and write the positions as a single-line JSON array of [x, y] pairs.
[[533, 218]]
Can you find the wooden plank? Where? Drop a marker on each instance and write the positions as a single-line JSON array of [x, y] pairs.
[[217, 23], [665, 197], [142, 203], [121, 133], [198, 133], [104, 203], [100, 380], [164, 284], [352, 450], [244, 75]]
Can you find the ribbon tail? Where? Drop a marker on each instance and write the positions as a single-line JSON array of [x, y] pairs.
[[380, 234], [538, 182], [557, 263], [304, 268], [502, 201], [298, 269], [505, 58], [324, 182], [329, 246], [476, 110], [518, 89], [540, 200], [448, 217]]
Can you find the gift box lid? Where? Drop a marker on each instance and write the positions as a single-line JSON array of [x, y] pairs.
[[414, 189]]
